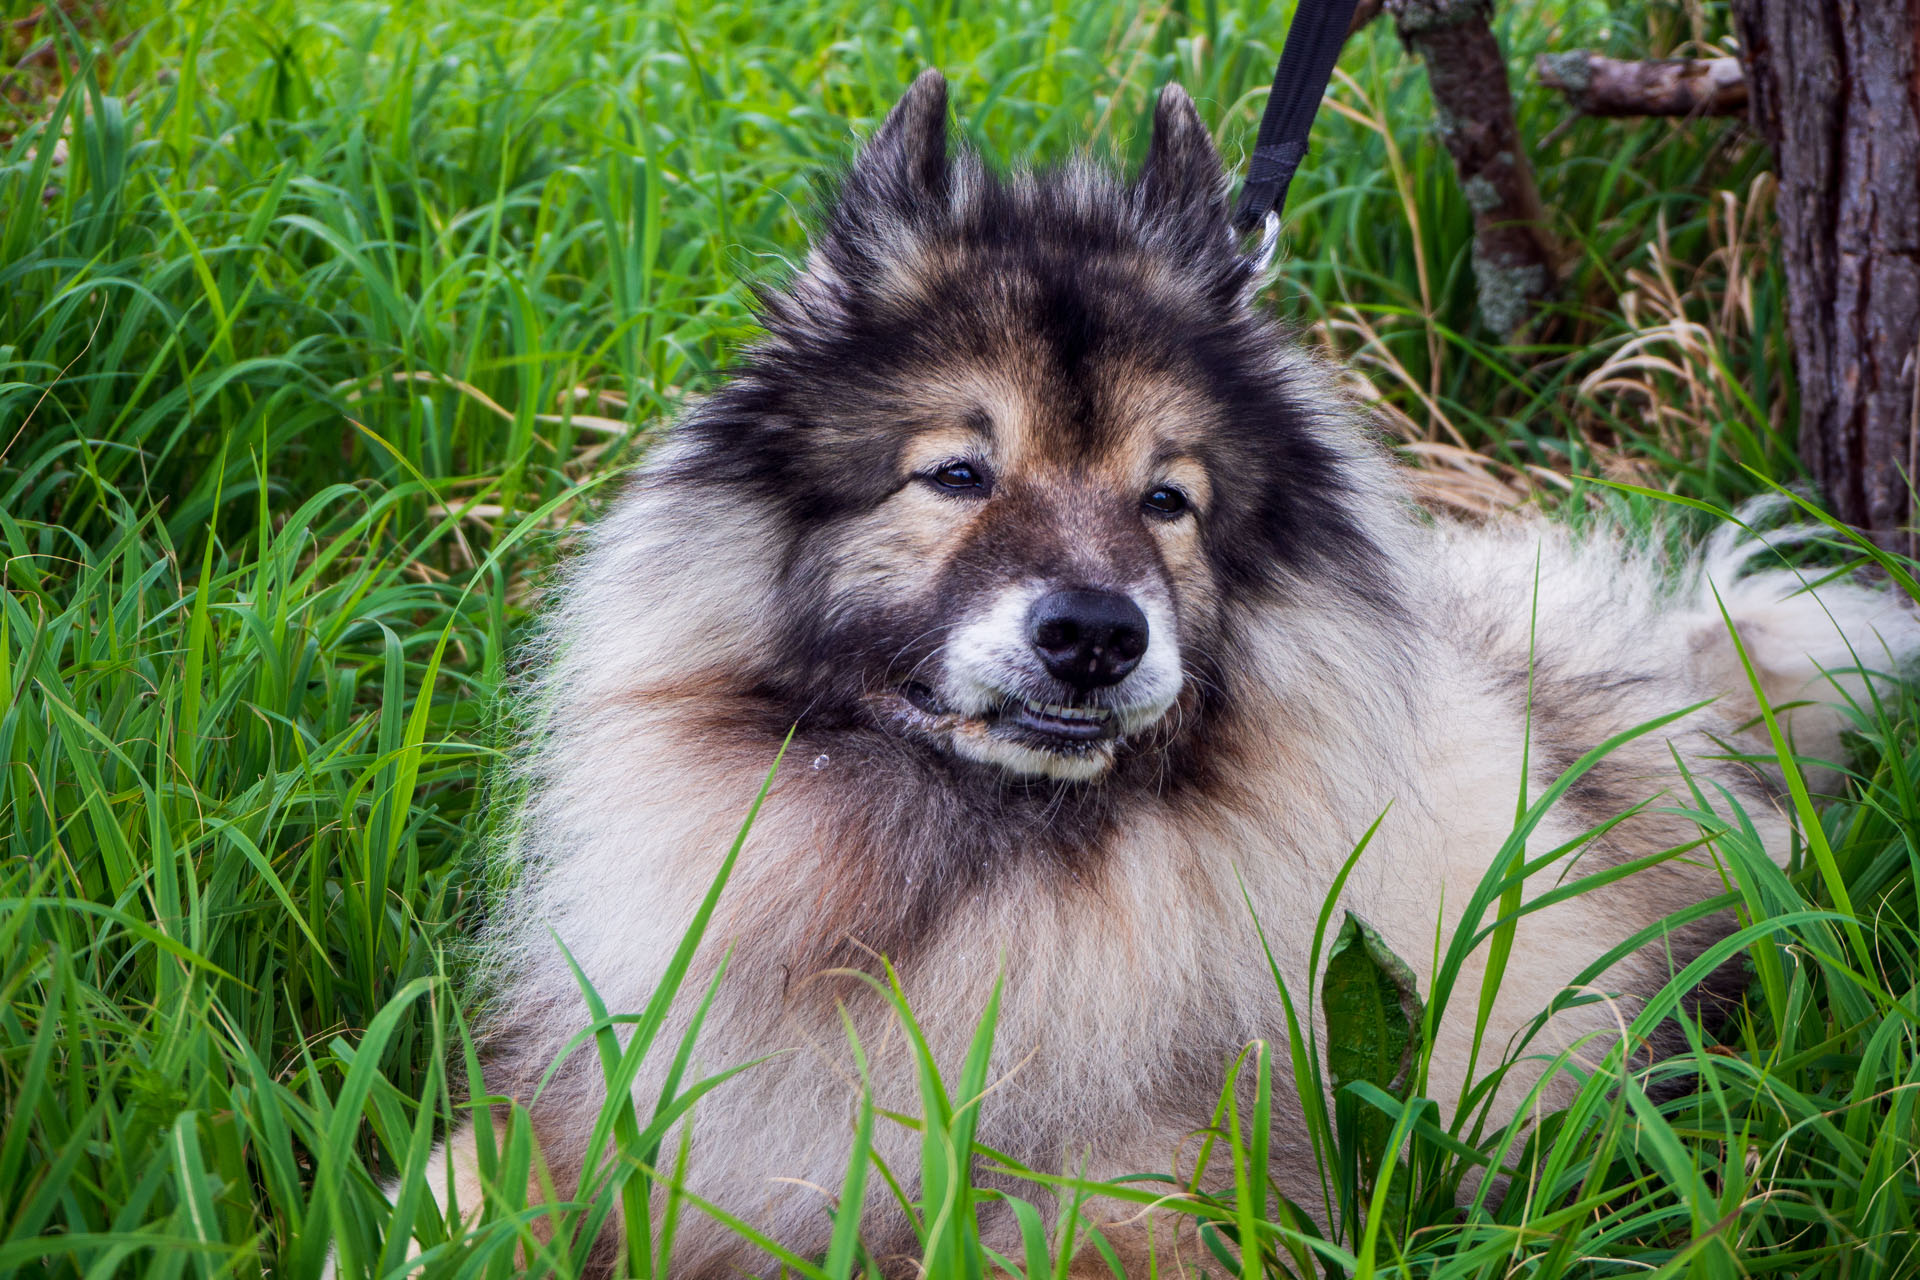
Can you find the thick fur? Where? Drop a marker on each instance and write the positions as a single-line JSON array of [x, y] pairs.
[[1327, 654]]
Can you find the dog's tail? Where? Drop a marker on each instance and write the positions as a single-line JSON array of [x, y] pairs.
[[1823, 648]]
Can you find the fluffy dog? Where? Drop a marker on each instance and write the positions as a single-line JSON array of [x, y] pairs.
[[1093, 608]]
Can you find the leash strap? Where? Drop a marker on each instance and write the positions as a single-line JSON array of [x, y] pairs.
[[1314, 37]]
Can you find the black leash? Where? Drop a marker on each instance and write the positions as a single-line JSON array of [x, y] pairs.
[[1314, 38]]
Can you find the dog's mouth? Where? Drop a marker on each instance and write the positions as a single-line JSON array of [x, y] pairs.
[[1054, 725], [1049, 726]]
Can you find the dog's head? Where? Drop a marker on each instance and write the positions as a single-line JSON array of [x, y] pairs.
[[1030, 450]]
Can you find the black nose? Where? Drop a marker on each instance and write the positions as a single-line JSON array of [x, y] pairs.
[[1087, 638]]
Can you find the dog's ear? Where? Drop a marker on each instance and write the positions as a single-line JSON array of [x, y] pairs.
[[903, 168], [1183, 174]]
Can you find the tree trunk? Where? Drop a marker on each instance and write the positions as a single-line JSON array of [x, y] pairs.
[[1512, 254], [1836, 92]]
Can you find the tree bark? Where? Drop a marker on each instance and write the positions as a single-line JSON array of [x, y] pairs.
[[1597, 85], [1512, 253], [1836, 91], [1364, 12]]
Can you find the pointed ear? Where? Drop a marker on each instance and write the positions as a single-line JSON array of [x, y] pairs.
[[903, 168], [1183, 173]]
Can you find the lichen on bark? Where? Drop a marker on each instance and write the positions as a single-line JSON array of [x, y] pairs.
[[1411, 17], [1507, 292]]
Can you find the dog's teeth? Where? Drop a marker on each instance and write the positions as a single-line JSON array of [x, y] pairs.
[[1056, 711]]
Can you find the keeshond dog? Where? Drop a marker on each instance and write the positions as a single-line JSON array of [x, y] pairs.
[[1103, 629]]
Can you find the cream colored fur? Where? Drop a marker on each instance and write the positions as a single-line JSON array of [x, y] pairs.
[[1111, 1009]]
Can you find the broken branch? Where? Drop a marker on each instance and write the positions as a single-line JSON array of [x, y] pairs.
[[1601, 86]]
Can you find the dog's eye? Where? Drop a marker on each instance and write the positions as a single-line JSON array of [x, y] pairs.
[[960, 478], [1164, 500]]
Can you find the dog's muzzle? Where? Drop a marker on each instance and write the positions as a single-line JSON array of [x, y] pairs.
[[1048, 680]]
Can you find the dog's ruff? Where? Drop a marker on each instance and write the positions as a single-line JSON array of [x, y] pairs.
[[1319, 653]]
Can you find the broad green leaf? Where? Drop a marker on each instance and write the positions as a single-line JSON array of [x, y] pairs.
[[1372, 1003], [1374, 1013]]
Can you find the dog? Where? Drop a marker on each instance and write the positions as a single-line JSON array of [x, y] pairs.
[[1103, 629]]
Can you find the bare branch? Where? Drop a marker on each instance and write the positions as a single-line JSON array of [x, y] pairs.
[[1601, 86]]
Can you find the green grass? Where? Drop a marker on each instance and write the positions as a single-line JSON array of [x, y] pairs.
[[332, 318]]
